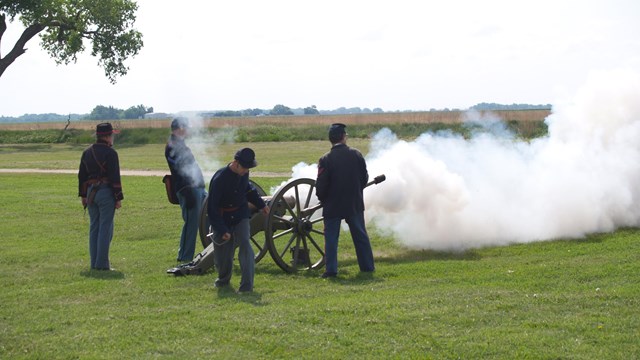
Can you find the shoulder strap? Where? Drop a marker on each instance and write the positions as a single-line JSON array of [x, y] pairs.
[[102, 168]]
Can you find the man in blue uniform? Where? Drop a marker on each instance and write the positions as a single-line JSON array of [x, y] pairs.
[[101, 191], [188, 183], [228, 209], [342, 175]]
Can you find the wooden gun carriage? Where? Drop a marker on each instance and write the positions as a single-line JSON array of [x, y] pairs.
[[293, 228]]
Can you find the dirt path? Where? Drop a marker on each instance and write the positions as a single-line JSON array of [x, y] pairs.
[[129, 172]]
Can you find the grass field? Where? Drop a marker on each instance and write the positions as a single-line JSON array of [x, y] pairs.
[[272, 156], [446, 117], [574, 299]]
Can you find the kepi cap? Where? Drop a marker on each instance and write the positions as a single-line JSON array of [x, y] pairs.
[[106, 129], [179, 123], [246, 157], [337, 129]]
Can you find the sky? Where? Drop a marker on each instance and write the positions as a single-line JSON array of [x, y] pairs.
[[402, 55]]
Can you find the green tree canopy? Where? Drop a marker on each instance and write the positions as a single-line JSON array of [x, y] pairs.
[[136, 112], [101, 112], [281, 110], [311, 110], [64, 25]]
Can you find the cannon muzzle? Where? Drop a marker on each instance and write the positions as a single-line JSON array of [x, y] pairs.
[[377, 180]]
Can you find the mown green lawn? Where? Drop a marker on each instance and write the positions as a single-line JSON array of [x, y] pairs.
[[271, 156], [574, 299]]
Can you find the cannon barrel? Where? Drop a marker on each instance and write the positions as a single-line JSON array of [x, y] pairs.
[[376, 180]]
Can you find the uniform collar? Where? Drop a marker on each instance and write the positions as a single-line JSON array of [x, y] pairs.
[[176, 138]]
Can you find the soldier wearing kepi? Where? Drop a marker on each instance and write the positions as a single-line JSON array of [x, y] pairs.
[[188, 183], [342, 175], [101, 191], [228, 209]]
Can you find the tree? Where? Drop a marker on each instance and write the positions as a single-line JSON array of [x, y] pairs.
[[281, 110], [64, 25], [227, 113], [312, 110], [136, 112], [252, 112], [105, 113]]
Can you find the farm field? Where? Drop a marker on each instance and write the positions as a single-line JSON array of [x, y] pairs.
[[446, 117], [573, 299]]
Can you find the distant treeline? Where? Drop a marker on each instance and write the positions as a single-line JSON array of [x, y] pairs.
[[140, 111], [98, 113], [280, 110], [494, 106], [28, 118]]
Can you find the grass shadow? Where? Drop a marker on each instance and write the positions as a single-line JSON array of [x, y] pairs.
[[600, 237], [277, 272], [229, 292], [128, 146], [49, 148], [408, 256], [426, 255], [102, 274], [13, 148], [358, 279], [344, 276]]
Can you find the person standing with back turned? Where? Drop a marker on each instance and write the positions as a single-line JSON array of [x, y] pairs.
[[101, 191], [342, 176], [188, 183]]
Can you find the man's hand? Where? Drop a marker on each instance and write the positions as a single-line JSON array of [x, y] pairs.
[[118, 204], [84, 202], [226, 236], [265, 210]]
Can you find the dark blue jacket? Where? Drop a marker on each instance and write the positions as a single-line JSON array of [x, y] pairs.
[[182, 164], [100, 162], [229, 194], [342, 175]]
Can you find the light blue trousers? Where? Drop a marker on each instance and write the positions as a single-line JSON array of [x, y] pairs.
[[101, 214], [191, 218]]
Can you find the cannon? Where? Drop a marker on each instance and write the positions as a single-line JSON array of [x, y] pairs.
[[293, 229]]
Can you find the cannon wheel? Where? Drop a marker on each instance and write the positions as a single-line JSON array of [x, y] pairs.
[[259, 247], [292, 240]]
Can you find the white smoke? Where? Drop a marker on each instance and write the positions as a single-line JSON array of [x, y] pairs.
[[444, 192], [299, 170], [204, 144]]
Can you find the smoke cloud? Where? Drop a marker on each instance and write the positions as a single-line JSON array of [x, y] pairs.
[[204, 145], [444, 192], [448, 193]]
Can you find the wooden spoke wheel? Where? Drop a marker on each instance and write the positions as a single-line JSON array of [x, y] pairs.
[[294, 229], [258, 242]]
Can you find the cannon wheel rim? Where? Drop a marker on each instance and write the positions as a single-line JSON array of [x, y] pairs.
[[299, 232], [259, 246]]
